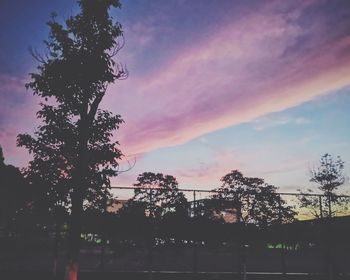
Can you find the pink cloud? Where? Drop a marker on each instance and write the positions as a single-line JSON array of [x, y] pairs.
[[17, 115], [256, 65], [208, 174], [250, 68], [260, 161]]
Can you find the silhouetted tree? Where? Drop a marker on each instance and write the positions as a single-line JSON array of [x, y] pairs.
[[13, 193], [329, 176], [73, 150], [269, 208], [159, 193], [255, 201]]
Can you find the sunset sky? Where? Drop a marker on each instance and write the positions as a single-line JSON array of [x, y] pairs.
[[259, 86]]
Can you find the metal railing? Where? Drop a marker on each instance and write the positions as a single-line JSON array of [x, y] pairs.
[[316, 242]]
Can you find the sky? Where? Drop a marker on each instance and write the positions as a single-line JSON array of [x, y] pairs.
[[213, 86]]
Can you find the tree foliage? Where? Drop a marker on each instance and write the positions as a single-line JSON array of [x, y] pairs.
[[74, 78], [329, 176], [254, 201], [14, 195], [159, 193], [74, 151]]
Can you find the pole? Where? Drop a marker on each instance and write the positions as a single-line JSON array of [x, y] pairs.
[[55, 251], [195, 253], [321, 211], [103, 237], [151, 239], [280, 220], [56, 241], [329, 241]]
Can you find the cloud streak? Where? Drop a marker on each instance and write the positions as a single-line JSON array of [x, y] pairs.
[[275, 56], [264, 62], [17, 115], [268, 122]]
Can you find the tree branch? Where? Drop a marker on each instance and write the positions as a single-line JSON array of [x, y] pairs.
[[94, 107]]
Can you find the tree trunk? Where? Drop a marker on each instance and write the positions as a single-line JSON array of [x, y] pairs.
[[71, 270], [75, 224], [74, 229], [55, 249]]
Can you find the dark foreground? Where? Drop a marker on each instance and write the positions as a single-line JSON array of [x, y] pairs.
[[168, 276]]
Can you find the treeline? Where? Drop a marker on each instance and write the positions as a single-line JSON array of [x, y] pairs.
[[242, 209]]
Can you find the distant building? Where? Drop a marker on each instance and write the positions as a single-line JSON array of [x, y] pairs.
[[116, 205]]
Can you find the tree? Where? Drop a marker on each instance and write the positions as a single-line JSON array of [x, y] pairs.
[[13, 193], [74, 150], [255, 201], [159, 193], [329, 176]]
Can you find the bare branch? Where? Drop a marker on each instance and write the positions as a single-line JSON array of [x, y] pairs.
[[118, 46], [131, 165], [122, 72], [36, 55]]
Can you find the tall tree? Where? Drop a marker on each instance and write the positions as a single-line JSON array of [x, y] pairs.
[[329, 176], [74, 148]]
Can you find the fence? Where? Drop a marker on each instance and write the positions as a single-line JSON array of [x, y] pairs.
[[199, 233]]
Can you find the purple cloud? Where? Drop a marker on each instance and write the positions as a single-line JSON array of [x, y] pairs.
[[265, 61], [277, 55]]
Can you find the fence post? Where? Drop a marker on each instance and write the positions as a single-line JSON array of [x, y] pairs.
[[152, 230], [329, 241], [103, 236], [195, 253], [321, 211], [194, 203], [55, 250], [280, 220], [245, 247], [235, 265], [329, 207], [239, 242]]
